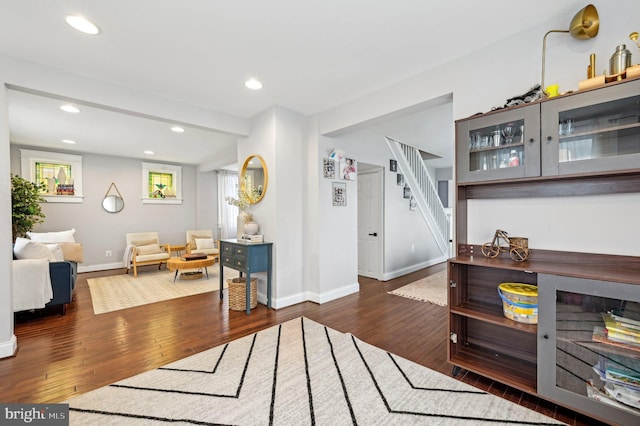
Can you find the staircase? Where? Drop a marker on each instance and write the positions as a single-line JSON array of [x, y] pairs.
[[412, 166]]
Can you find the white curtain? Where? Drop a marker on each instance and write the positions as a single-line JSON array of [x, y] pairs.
[[227, 214]]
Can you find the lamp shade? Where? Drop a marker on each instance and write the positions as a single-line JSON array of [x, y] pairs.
[[585, 24]]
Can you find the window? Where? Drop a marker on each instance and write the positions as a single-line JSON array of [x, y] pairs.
[[60, 173], [161, 184]]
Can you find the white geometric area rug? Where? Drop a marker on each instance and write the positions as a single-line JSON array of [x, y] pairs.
[[296, 373]]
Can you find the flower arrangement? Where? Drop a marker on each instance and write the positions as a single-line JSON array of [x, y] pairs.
[[247, 195], [242, 201]]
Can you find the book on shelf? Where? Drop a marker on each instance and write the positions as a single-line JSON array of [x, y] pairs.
[[193, 256], [625, 322], [619, 332], [256, 238]]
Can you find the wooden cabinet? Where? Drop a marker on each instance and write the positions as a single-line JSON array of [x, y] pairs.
[[595, 131], [555, 358], [587, 143], [482, 339], [501, 145], [589, 346], [586, 132]]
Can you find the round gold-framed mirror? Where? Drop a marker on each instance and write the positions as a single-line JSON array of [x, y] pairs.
[[254, 178]]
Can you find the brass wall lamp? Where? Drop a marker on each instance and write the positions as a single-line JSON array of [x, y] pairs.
[[634, 37], [584, 25]]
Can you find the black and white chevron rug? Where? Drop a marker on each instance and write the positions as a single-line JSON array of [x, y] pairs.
[[296, 373]]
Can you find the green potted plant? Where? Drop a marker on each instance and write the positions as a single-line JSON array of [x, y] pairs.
[[25, 205]]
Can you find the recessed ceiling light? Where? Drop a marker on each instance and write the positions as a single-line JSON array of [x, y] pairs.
[[253, 84], [177, 129], [70, 108], [149, 152], [69, 141], [83, 25]]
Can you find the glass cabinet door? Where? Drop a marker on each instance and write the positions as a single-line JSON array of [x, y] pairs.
[[590, 346], [499, 146], [593, 131]]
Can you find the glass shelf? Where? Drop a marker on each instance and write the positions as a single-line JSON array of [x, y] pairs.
[[497, 146], [607, 129]]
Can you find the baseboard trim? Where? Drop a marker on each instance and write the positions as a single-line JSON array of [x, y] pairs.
[[101, 267], [309, 296], [409, 269], [9, 347], [333, 294]]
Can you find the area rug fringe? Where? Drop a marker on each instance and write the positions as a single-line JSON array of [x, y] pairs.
[[296, 373]]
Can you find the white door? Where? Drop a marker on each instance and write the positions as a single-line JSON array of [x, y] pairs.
[[370, 238]]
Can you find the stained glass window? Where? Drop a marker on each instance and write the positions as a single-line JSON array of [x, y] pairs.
[[46, 170]]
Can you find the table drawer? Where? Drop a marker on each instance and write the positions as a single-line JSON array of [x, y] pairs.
[[234, 262]]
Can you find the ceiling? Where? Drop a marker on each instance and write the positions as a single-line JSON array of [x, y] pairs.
[[310, 57]]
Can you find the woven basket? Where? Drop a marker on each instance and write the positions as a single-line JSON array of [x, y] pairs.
[[237, 293], [191, 275]]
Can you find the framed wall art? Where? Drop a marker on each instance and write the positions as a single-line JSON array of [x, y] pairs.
[[393, 166], [329, 168], [339, 194], [348, 169], [400, 179], [407, 192]]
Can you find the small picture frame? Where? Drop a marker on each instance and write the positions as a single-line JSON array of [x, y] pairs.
[[329, 168], [400, 179], [406, 192], [393, 166], [339, 194], [348, 169], [413, 204]]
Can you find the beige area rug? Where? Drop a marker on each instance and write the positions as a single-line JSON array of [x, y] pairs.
[[432, 289], [296, 373], [118, 292]]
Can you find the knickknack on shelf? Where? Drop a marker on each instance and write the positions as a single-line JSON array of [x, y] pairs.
[[161, 184]]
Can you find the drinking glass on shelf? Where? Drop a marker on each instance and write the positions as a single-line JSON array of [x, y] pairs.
[[509, 132], [566, 127], [474, 141]]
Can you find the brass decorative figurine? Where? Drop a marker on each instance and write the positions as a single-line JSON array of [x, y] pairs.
[[518, 247]]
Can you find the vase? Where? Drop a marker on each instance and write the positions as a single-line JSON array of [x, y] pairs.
[[242, 219], [251, 228]]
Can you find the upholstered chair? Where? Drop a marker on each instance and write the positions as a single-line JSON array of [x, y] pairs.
[[144, 248], [201, 241]]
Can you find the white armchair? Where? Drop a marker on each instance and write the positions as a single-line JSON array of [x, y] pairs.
[[201, 241], [143, 248]]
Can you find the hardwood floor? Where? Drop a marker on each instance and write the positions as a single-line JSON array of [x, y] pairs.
[[60, 357]]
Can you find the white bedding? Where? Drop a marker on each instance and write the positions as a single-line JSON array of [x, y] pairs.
[[31, 284]]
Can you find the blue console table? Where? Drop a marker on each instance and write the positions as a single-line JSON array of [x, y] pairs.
[[246, 258]]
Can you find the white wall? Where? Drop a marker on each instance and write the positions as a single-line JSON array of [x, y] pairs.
[[337, 231], [278, 136], [486, 79]]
